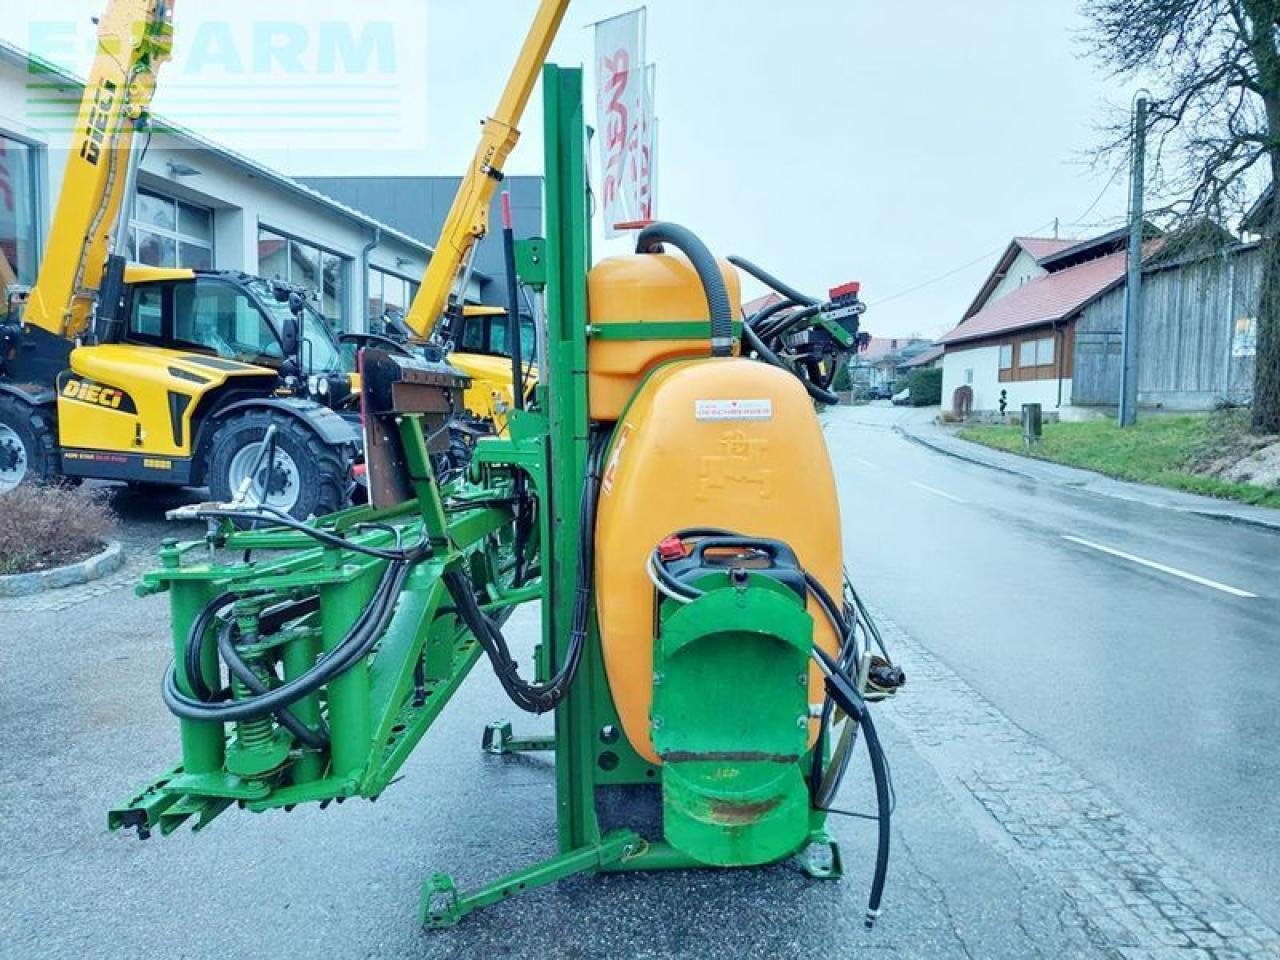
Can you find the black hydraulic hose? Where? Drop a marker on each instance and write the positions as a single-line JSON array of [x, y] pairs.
[[783, 324], [315, 739], [195, 653], [194, 647], [754, 342], [357, 644], [769, 280], [651, 240], [759, 319], [410, 554], [541, 697], [884, 815]]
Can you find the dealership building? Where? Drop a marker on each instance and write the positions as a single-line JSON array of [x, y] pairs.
[[200, 205]]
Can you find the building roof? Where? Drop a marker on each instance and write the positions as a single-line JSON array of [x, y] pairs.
[[16, 56], [1094, 247], [926, 357], [1041, 247], [752, 307], [1043, 300], [1037, 248], [881, 348]]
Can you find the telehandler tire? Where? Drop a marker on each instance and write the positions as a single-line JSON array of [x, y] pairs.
[[309, 478], [28, 444]]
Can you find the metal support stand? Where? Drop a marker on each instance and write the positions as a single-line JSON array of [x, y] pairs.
[[442, 906], [499, 740]]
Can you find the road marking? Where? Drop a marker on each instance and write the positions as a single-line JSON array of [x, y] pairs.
[[938, 493], [865, 463], [1172, 571]]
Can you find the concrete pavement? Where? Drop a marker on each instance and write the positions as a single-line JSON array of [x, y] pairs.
[[1137, 641], [1081, 761]]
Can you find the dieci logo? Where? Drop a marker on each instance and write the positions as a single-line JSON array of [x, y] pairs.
[[85, 391]]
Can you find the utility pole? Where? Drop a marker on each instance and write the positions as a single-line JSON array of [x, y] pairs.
[[1133, 285]]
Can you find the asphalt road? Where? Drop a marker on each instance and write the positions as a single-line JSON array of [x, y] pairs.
[[1072, 720], [1160, 682]]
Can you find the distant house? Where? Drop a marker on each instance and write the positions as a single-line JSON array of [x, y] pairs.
[[927, 359], [1018, 334], [1046, 326], [882, 363]]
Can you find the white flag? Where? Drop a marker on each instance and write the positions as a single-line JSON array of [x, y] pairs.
[[620, 115], [644, 158]]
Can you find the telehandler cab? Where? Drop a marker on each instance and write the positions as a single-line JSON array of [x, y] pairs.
[[118, 371]]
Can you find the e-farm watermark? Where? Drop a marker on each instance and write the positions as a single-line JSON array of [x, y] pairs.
[[256, 74]]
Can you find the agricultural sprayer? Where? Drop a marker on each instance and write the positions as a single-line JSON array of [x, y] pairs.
[[666, 498]]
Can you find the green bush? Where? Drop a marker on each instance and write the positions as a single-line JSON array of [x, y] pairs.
[[926, 387], [46, 527]]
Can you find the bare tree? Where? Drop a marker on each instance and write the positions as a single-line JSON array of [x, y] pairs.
[[1214, 123]]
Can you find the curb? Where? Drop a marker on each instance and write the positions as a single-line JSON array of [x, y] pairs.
[[957, 455], [1207, 513], [86, 571]]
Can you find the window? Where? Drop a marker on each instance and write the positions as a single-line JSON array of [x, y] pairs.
[[19, 243], [389, 292], [488, 335], [1006, 356], [148, 312], [1044, 352], [968, 375], [169, 233], [321, 272], [220, 318], [1027, 353]]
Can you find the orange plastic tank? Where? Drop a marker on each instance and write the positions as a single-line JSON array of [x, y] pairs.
[[728, 443], [646, 292]]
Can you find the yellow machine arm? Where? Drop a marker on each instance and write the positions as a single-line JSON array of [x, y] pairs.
[[468, 219], [134, 38]]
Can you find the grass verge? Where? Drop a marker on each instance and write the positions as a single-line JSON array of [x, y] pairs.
[[1167, 451]]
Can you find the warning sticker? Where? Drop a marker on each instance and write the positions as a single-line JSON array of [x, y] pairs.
[[733, 409], [611, 470]]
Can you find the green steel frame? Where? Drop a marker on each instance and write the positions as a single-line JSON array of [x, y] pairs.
[[378, 711]]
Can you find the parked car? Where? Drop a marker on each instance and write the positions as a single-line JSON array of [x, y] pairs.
[[902, 397], [880, 393]]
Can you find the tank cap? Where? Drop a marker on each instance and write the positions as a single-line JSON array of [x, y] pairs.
[[672, 548]]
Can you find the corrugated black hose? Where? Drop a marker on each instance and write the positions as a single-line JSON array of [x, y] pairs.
[[651, 240]]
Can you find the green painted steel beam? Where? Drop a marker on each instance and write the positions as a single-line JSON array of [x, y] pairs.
[[442, 906], [655, 330]]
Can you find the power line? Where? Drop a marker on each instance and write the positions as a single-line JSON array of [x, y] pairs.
[[951, 273], [1078, 222]]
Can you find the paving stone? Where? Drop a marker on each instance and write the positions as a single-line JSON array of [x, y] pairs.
[[1135, 895]]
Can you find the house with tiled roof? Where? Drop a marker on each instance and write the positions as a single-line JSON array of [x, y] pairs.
[[926, 359], [1017, 337], [880, 365]]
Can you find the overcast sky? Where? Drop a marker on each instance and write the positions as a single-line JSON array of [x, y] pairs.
[[887, 141]]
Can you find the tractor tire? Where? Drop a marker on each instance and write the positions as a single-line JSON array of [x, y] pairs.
[[309, 478], [28, 444]]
